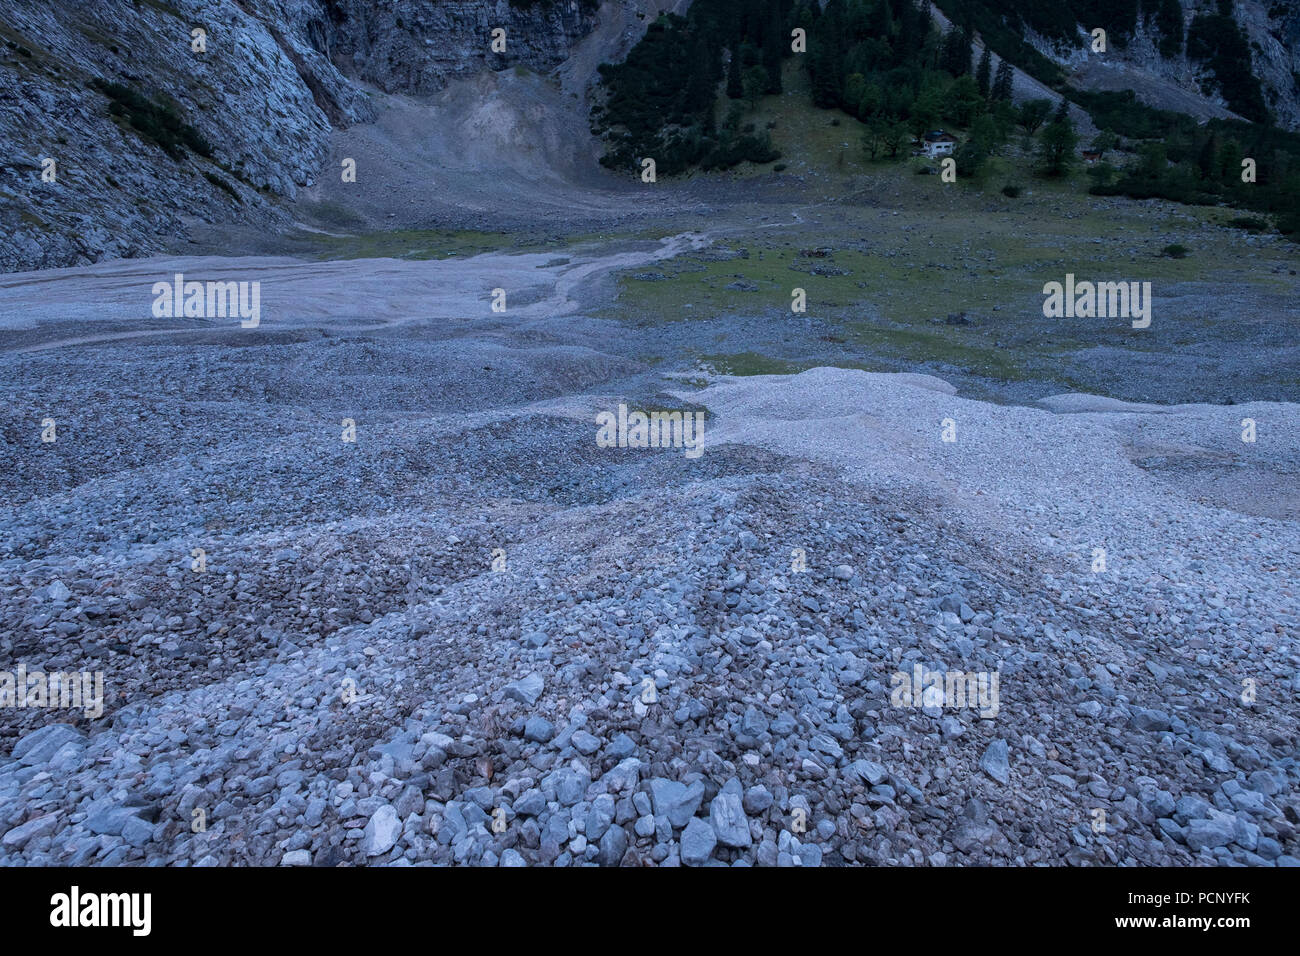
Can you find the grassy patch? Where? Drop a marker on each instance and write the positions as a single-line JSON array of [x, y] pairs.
[[751, 363], [801, 133], [916, 249], [906, 272], [944, 346]]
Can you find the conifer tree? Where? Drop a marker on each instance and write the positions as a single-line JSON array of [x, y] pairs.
[[774, 46], [1169, 18], [1002, 82], [1056, 144], [956, 52], [735, 86]]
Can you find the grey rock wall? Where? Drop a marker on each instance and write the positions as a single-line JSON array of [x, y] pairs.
[[276, 76]]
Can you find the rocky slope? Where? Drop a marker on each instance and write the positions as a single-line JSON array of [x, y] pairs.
[[1272, 28], [274, 79], [668, 660]]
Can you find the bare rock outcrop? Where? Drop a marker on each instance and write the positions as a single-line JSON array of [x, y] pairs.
[[125, 127]]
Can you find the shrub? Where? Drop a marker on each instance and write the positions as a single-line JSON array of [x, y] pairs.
[[222, 184], [154, 120], [1249, 223], [1010, 191], [733, 150], [1175, 251]]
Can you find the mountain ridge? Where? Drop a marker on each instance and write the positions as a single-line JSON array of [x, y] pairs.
[[277, 80]]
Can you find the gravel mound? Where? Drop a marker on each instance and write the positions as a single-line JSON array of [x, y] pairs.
[[473, 636]]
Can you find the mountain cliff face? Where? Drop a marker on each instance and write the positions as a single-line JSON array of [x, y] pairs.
[[125, 130], [1173, 75], [414, 46], [1205, 57], [123, 126], [1273, 30]]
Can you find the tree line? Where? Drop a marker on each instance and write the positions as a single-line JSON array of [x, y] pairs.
[[886, 63]]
